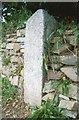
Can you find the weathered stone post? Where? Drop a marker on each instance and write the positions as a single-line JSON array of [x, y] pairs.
[[38, 28]]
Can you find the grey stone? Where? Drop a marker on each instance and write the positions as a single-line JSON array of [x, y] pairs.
[[48, 87], [20, 32], [10, 46], [70, 105], [6, 70], [16, 47], [6, 52], [68, 60], [63, 97], [49, 96], [22, 50], [71, 114], [72, 40], [20, 61], [12, 39], [14, 59], [3, 45], [75, 93], [70, 72], [22, 46], [11, 35], [20, 39], [56, 66], [21, 80], [38, 27], [14, 80], [12, 52], [22, 72], [54, 75]]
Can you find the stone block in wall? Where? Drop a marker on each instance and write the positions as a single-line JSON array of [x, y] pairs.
[[73, 91], [48, 87], [12, 52], [20, 61], [22, 72], [21, 80], [70, 105], [72, 114], [38, 27], [21, 33], [6, 71], [49, 96], [20, 39], [14, 80], [22, 46], [14, 59], [6, 52], [12, 39], [10, 46], [70, 72], [22, 50], [3, 45], [17, 59], [16, 47], [11, 35]]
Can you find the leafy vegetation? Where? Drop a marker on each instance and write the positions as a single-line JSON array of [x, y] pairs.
[[8, 90], [61, 86], [5, 60], [48, 110], [17, 70], [15, 15]]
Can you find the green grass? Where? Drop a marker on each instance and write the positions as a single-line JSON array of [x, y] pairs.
[[8, 90], [48, 110]]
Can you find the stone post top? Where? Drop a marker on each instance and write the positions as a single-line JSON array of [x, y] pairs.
[[42, 14], [42, 19], [40, 10]]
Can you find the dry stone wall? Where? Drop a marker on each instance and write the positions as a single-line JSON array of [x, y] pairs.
[[13, 53], [65, 68]]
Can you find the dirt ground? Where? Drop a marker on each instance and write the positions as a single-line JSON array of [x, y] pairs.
[[16, 109]]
